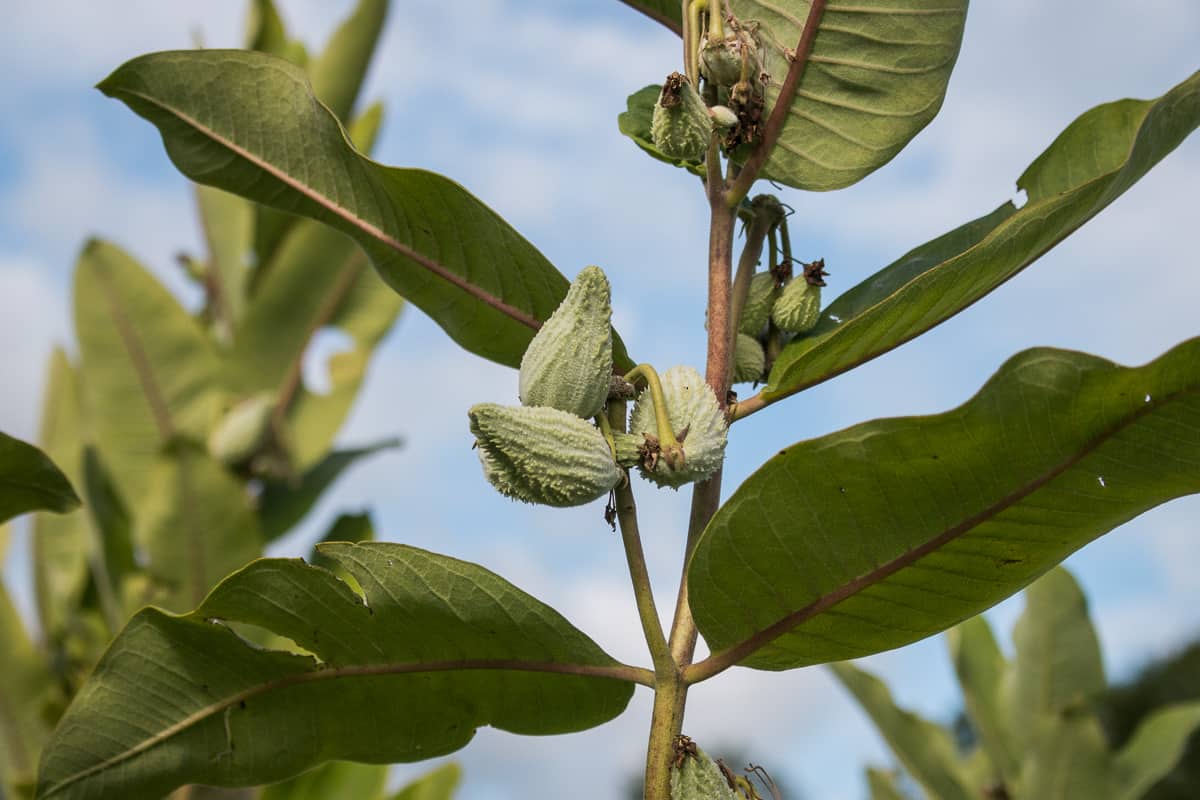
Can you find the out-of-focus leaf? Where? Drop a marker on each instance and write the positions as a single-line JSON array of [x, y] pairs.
[[228, 224], [1057, 668], [337, 73], [195, 525], [26, 686], [439, 784], [266, 32], [110, 516], [981, 670], [333, 779], [883, 785], [149, 371], [925, 749], [1067, 759], [284, 504], [436, 648], [1155, 748], [29, 481], [876, 76], [890, 531], [1099, 156], [432, 241]]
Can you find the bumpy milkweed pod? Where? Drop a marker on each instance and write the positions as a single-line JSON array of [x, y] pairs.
[[243, 431], [697, 421], [749, 360], [721, 61], [799, 304], [697, 777], [569, 363], [760, 298], [680, 125], [542, 455]]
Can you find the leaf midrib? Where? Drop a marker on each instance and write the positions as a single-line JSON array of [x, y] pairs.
[[615, 672], [730, 656]]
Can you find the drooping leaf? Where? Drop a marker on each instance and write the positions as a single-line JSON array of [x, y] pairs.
[[331, 780], [432, 241], [981, 669], [283, 504], [337, 73], [1067, 758], [149, 371], [876, 76], [634, 122], [1155, 748], [892, 530], [666, 12], [195, 525], [1098, 157], [439, 784], [925, 749], [29, 481], [436, 648], [1058, 668]]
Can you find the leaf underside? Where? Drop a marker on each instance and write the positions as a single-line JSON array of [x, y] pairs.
[[29, 481], [890, 531], [436, 648]]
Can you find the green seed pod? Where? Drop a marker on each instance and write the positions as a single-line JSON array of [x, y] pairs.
[[749, 360], [542, 455], [759, 300], [696, 420], [798, 307], [699, 778], [243, 431], [569, 363], [721, 62], [680, 126]]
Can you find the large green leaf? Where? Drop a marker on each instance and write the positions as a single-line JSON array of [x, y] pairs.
[[1154, 749], [1099, 156], [149, 371], [432, 241], [892, 530], [666, 12], [337, 73], [29, 481], [195, 525], [981, 669], [1058, 668], [925, 749], [1067, 759], [436, 648], [876, 76]]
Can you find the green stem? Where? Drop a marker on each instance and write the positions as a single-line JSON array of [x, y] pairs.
[[643, 594], [716, 25], [666, 722], [671, 450], [692, 34]]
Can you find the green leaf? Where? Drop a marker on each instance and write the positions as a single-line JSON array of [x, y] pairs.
[[1155, 748], [892, 530], [228, 224], [439, 784], [667, 12], [29, 481], [1067, 185], [1057, 668], [883, 785], [337, 73], [436, 648], [635, 120], [149, 371], [1067, 759], [433, 242], [26, 689], [61, 543], [111, 518], [331, 780], [981, 670], [925, 749], [265, 32], [876, 76], [283, 504], [195, 525]]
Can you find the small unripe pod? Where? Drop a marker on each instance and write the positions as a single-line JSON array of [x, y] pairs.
[[629, 448], [798, 307], [699, 778], [243, 431], [759, 300], [680, 126], [542, 455], [696, 420], [569, 363], [749, 360]]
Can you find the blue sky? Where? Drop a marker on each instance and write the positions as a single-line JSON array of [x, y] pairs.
[[517, 100]]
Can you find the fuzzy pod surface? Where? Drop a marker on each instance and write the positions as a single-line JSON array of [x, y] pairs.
[[798, 307], [680, 126], [760, 298], [542, 455], [691, 407], [749, 360], [568, 364], [699, 778]]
